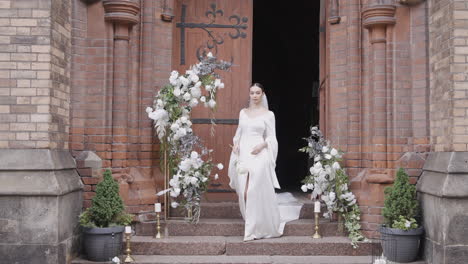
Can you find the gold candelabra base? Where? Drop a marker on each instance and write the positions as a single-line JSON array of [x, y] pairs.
[[158, 227], [128, 251], [316, 235]]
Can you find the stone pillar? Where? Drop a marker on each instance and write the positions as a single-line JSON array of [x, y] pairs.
[[123, 14], [40, 190], [443, 185], [376, 18]]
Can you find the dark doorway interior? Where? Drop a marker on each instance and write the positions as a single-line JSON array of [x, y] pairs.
[[286, 61]]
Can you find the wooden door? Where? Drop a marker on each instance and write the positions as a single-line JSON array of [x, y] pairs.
[[223, 27]]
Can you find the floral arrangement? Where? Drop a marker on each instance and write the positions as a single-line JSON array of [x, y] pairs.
[[329, 182], [171, 114]]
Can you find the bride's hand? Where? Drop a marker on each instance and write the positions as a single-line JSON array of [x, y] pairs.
[[258, 148]]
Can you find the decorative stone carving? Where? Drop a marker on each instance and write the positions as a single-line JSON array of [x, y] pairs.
[[121, 11], [376, 18]]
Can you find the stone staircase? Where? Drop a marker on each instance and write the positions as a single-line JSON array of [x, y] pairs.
[[218, 238]]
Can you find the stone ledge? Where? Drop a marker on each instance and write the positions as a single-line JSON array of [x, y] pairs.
[[35, 159]]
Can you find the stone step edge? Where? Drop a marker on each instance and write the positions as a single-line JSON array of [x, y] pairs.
[[225, 259]]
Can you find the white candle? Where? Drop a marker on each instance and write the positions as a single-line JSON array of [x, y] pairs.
[[128, 229], [317, 207], [157, 207]]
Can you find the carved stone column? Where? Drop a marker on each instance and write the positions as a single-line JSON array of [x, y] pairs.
[[373, 179], [123, 14]]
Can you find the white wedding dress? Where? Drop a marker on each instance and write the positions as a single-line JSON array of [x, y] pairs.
[[262, 213]]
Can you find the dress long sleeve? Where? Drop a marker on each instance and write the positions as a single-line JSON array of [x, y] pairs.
[[232, 172], [272, 146]]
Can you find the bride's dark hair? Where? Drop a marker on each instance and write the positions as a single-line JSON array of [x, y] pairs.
[[259, 85]]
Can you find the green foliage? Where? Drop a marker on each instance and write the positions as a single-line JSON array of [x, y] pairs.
[[107, 207], [400, 200], [405, 224]]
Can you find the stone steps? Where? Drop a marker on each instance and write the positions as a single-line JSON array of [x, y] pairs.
[[233, 227], [224, 259], [235, 246], [230, 210]]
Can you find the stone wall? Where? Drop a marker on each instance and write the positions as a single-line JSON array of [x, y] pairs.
[[40, 194], [443, 185]]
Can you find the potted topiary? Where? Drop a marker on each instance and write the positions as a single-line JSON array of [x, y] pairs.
[[400, 233], [104, 222]]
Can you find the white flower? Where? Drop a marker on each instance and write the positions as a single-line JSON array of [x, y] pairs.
[[149, 110], [324, 149], [216, 176], [177, 92], [194, 155], [328, 156], [193, 102], [174, 194], [185, 165], [210, 55], [203, 99], [183, 119], [212, 103], [332, 196], [193, 180], [116, 260], [334, 152], [187, 96], [204, 179], [217, 82], [196, 92], [221, 85], [194, 78], [317, 158], [174, 127], [174, 204], [336, 165], [185, 82], [208, 88], [304, 188], [220, 166], [198, 84], [407, 224]]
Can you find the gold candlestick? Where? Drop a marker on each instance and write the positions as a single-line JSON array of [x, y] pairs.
[[317, 235], [128, 258], [158, 227]]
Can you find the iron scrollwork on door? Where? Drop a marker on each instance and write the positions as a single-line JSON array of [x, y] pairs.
[[238, 24]]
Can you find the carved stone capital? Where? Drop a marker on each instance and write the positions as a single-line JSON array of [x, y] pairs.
[[378, 15], [121, 11], [376, 18]]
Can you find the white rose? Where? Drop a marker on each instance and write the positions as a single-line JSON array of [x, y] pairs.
[[174, 204], [194, 78], [212, 103], [198, 84], [187, 96], [208, 88], [304, 188], [149, 110], [183, 119], [174, 127], [177, 92], [185, 165], [221, 85], [196, 92], [193, 180], [334, 152], [328, 156], [332, 196], [194, 155], [324, 149], [220, 166], [317, 158], [336, 165], [209, 54], [203, 99], [193, 102], [216, 176]]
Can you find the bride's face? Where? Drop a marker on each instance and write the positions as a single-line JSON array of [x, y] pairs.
[[256, 94]]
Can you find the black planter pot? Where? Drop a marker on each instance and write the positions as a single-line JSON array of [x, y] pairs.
[[102, 244], [399, 245]]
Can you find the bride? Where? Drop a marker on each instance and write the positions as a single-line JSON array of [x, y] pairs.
[[252, 169]]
